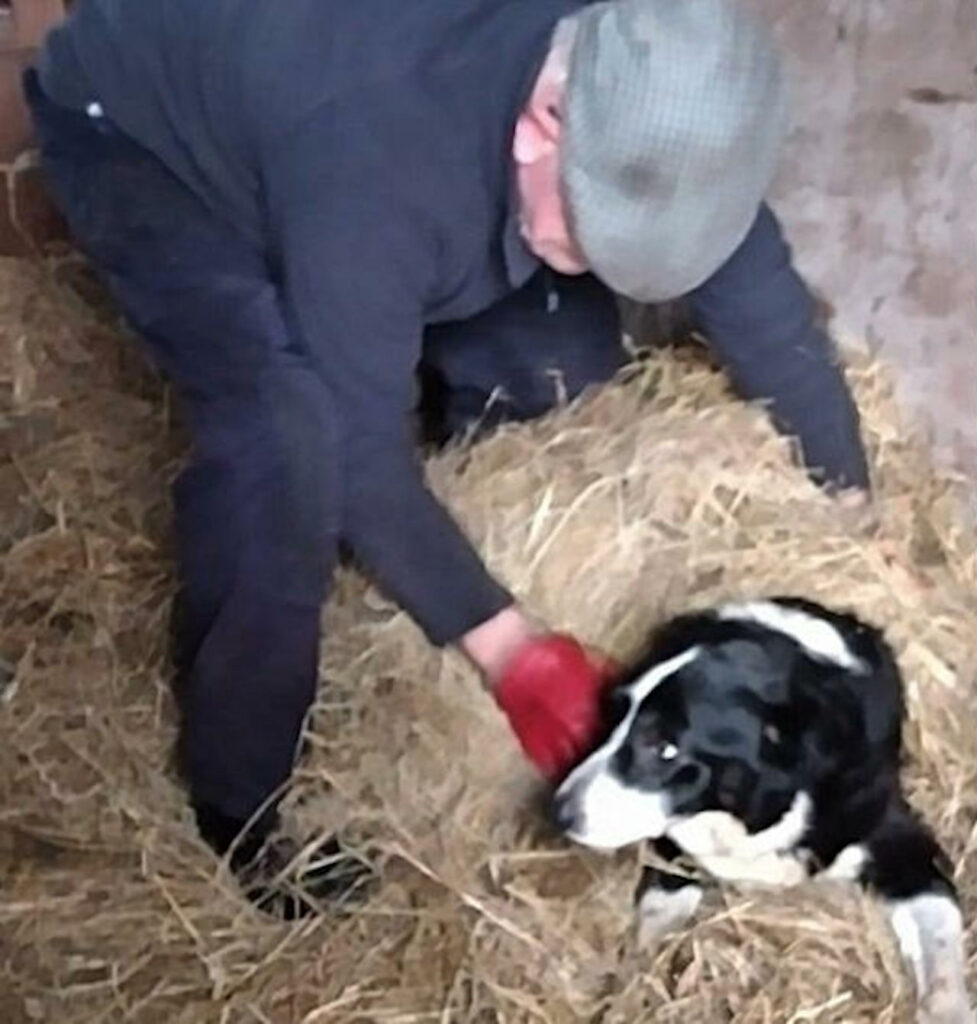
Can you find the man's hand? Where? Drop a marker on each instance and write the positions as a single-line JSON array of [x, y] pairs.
[[547, 684], [493, 644], [859, 509]]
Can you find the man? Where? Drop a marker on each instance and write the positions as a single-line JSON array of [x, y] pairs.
[[300, 205]]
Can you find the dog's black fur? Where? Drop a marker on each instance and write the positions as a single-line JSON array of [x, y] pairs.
[[768, 704], [839, 739]]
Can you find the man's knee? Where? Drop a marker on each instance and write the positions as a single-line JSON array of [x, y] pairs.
[[544, 343], [584, 336]]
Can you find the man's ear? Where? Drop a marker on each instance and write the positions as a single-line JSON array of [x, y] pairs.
[[534, 139], [538, 128]]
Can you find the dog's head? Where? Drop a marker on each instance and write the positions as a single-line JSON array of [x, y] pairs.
[[736, 710]]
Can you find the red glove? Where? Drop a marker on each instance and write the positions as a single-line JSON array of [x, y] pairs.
[[550, 692]]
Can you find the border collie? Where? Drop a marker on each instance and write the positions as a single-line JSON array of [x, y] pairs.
[[763, 741]]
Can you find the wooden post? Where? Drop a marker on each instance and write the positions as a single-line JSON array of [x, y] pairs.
[[26, 215], [27, 21]]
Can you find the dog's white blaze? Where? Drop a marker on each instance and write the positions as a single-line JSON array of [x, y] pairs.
[[819, 638], [929, 929], [655, 676], [722, 845], [637, 692], [610, 814]]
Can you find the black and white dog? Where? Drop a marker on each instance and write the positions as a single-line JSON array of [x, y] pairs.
[[763, 740]]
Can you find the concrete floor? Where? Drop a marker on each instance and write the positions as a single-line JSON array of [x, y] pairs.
[[878, 190]]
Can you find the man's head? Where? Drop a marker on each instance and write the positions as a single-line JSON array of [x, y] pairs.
[[649, 141]]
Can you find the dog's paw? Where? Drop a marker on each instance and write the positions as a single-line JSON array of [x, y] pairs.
[[945, 1004], [662, 912], [929, 930]]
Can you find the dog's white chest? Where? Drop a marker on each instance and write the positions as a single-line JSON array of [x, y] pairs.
[[722, 845]]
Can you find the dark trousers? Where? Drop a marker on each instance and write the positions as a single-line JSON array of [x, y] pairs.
[[257, 527]]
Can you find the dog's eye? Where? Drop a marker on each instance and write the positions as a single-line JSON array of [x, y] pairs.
[[668, 752], [771, 733]]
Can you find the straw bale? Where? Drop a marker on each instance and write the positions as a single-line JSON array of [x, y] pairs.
[[651, 496]]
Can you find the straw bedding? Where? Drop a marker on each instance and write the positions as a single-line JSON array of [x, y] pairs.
[[652, 496]]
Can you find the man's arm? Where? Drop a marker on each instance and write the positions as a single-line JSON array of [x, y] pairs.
[[354, 276], [758, 315], [354, 273]]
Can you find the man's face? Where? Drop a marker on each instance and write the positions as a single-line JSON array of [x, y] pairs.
[[536, 150], [543, 221]]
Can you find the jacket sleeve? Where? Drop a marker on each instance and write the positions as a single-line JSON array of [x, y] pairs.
[[354, 272], [758, 315]]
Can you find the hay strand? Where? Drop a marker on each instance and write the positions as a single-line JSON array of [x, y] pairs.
[[649, 497]]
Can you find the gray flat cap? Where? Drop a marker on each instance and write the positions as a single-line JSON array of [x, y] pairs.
[[674, 115]]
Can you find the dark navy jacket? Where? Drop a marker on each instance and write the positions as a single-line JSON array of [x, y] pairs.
[[365, 148]]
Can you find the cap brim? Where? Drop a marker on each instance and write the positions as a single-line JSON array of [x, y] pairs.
[[653, 251]]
